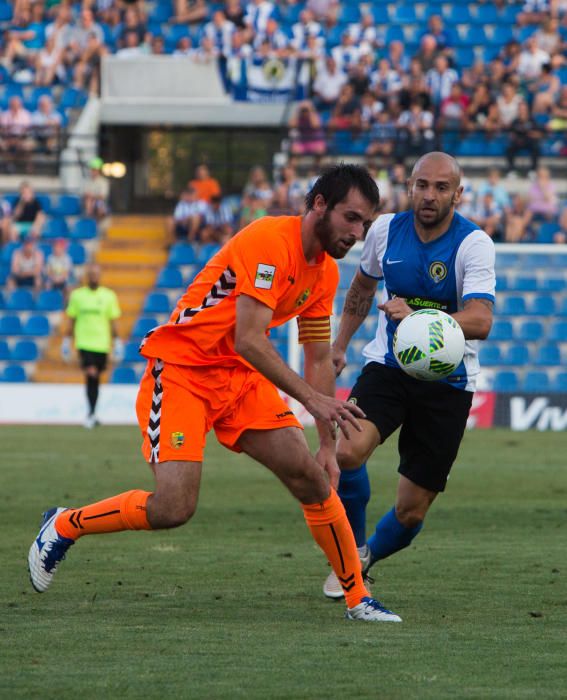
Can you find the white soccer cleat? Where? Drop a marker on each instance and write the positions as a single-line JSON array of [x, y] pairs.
[[47, 550], [370, 610], [332, 587], [90, 421]]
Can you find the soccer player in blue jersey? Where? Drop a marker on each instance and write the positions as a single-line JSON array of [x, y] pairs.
[[429, 257]]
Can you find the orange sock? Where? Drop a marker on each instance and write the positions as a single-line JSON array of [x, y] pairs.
[[127, 511], [331, 530]]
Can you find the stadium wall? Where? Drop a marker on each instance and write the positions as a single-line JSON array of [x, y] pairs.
[[64, 404]]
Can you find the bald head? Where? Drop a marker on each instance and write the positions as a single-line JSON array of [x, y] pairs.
[[441, 162]]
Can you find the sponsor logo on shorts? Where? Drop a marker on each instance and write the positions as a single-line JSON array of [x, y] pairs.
[[264, 276], [177, 440], [302, 298], [437, 271], [353, 400], [284, 414]]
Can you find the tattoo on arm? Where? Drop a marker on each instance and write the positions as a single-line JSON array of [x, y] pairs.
[[358, 302], [485, 302]]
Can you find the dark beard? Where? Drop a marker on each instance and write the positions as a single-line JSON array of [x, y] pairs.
[[324, 234]]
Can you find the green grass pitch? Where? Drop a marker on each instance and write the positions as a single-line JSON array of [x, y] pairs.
[[230, 606]]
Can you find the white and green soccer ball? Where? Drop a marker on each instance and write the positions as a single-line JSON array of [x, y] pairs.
[[429, 344]]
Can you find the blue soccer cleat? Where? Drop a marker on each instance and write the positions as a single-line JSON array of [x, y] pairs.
[[47, 550], [370, 610]]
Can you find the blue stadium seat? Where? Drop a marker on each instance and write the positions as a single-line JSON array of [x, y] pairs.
[[45, 201], [502, 330], [6, 11], [562, 310], [403, 14], [506, 381], [542, 306], [182, 254], [50, 300], [513, 306], [169, 278], [464, 56], [73, 98], [458, 14], [84, 229], [558, 332], [55, 228], [560, 382], [526, 32], [124, 375], [473, 35], [13, 373], [534, 382], [523, 283], [516, 356], [490, 356], [548, 356], [207, 251], [67, 205], [131, 352], [553, 284], [348, 14], [394, 32], [37, 326], [7, 251], [77, 253], [4, 351], [530, 331], [25, 351], [20, 300], [502, 282], [157, 303], [545, 232], [143, 325], [503, 33], [10, 325]]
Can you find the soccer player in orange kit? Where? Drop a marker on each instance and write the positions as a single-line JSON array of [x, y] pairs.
[[213, 366]]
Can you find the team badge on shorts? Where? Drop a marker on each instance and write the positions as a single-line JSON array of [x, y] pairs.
[[177, 440], [437, 271], [264, 276]]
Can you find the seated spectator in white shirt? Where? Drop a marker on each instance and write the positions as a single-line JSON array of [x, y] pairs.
[[59, 268], [532, 60], [489, 215], [132, 47], [328, 82], [188, 217], [96, 190], [220, 31], [46, 123], [27, 266], [218, 222], [15, 126]]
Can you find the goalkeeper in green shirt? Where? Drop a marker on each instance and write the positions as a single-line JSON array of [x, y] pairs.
[[92, 313]]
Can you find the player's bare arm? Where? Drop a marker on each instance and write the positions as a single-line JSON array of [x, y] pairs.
[[358, 302], [252, 320], [476, 318]]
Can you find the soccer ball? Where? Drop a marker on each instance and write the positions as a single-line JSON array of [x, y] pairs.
[[429, 344]]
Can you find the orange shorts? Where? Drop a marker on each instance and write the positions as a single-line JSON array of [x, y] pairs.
[[178, 405]]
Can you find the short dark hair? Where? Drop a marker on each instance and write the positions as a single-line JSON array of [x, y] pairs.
[[337, 181]]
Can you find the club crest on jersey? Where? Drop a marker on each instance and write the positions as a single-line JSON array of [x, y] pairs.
[[177, 440], [264, 276], [437, 271], [302, 298]]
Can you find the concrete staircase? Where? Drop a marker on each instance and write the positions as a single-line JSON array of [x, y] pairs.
[[131, 255]]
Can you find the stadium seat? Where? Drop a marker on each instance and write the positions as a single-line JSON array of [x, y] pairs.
[[45, 201], [513, 306], [530, 331], [73, 98], [558, 332], [5, 353], [553, 284], [490, 356], [403, 14], [473, 35], [13, 373], [20, 300], [523, 283], [464, 56], [503, 33], [7, 250], [545, 232], [516, 356], [50, 300], [6, 11], [77, 253], [502, 330], [55, 228], [548, 356], [67, 205], [25, 351], [542, 306], [143, 325], [207, 251], [562, 310], [157, 303], [84, 229], [124, 375], [502, 282], [535, 382], [37, 326], [182, 254], [131, 352], [169, 278], [560, 382], [10, 325], [506, 382], [458, 14]]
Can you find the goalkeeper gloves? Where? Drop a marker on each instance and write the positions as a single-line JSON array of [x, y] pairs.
[[118, 350], [66, 349]]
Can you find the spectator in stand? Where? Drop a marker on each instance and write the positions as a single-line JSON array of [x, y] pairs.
[[7, 231], [510, 55], [399, 60], [254, 208], [46, 124], [415, 131], [220, 30], [218, 224], [257, 187], [427, 53], [96, 191], [440, 79], [20, 41], [478, 109], [346, 112], [306, 131], [131, 47], [531, 62], [534, 12], [132, 23], [525, 134], [189, 11], [508, 103], [328, 83], [15, 130], [399, 188], [518, 221], [558, 113], [543, 200], [548, 37], [444, 38], [347, 53], [382, 137], [27, 215], [493, 184], [184, 47], [290, 192], [274, 39], [560, 236], [370, 108], [206, 52], [366, 34], [386, 81], [61, 29], [489, 215], [59, 268], [88, 47], [545, 91], [322, 8], [257, 14], [188, 217], [234, 13], [26, 268], [49, 63], [204, 184], [453, 111], [306, 26]]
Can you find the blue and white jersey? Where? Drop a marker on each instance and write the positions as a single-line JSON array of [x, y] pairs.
[[441, 274]]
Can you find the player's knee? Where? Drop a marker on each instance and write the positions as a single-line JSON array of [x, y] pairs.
[[180, 514], [348, 458], [410, 516], [309, 485]]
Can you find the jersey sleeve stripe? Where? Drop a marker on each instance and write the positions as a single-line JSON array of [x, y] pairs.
[[366, 274], [479, 295], [313, 330]]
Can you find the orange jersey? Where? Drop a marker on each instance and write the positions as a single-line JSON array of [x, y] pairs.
[[265, 261], [206, 189]]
